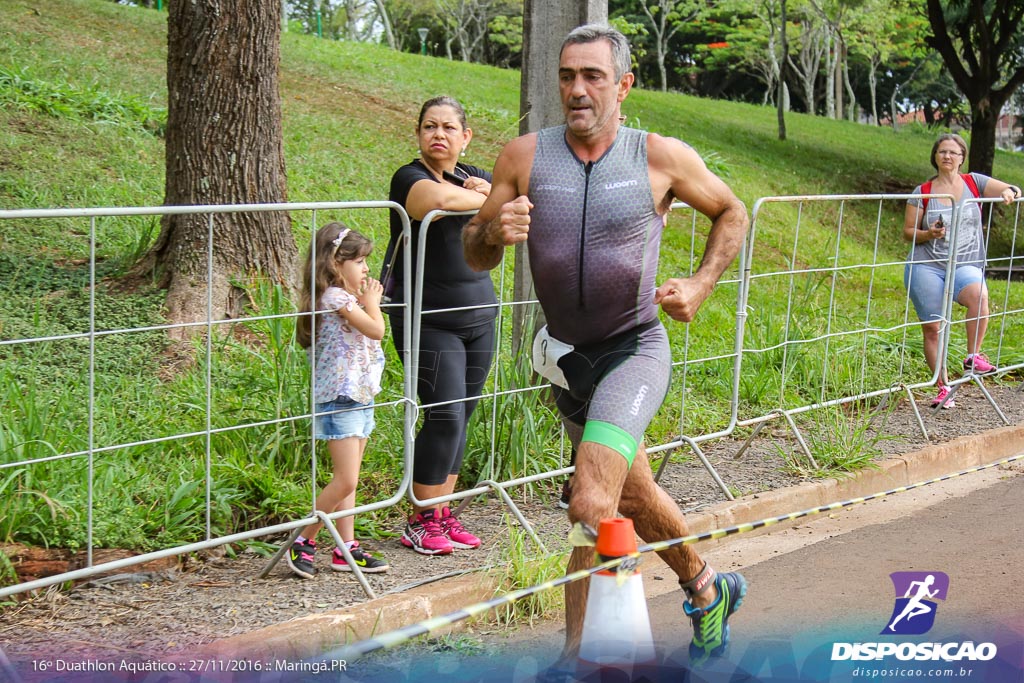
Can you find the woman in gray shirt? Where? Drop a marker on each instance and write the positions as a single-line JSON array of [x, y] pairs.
[[925, 227]]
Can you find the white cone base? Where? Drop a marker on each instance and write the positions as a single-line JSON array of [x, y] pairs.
[[617, 629]]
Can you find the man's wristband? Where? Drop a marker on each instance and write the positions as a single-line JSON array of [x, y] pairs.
[[1016, 191]]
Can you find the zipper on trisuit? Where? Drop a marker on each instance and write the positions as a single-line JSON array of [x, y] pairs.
[[583, 230]]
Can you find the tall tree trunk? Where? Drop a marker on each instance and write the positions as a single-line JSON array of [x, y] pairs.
[[852, 97], [780, 99], [389, 33], [837, 82], [224, 146], [545, 25], [893, 114], [662, 33], [662, 72], [984, 118], [809, 59], [873, 89], [831, 59]]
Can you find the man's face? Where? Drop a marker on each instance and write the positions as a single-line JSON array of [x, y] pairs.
[[590, 93]]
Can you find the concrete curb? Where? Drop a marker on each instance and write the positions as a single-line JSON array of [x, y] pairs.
[[902, 470], [315, 634]]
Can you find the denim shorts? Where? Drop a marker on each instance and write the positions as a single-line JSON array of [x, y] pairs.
[[355, 421], [925, 284]]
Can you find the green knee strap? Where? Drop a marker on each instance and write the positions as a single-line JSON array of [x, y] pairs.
[[613, 437]]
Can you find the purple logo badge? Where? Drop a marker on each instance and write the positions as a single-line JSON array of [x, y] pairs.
[[916, 593]]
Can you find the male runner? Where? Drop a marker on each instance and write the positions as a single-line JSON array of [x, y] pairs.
[[592, 196]]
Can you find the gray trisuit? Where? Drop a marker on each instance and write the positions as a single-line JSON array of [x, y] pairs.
[[594, 241]]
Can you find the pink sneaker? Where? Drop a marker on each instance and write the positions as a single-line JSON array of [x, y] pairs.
[[424, 535], [456, 533], [943, 394], [979, 364]]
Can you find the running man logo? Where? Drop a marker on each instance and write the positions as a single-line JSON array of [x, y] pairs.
[[915, 608]]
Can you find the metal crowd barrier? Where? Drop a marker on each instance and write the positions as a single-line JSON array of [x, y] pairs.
[[93, 334], [714, 350], [819, 315], [822, 316], [1002, 305], [763, 366]]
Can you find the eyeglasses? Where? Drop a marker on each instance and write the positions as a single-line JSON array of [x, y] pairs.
[[948, 153]]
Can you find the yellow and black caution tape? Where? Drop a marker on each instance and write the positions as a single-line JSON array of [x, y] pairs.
[[750, 526], [407, 633]]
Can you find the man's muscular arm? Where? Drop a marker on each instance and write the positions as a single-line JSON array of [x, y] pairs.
[[479, 253], [504, 218], [682, 171]]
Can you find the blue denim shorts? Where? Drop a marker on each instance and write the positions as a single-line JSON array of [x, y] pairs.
[[925, 285], [356, 420]]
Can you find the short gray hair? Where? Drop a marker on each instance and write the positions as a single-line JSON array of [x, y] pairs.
[[590, 33]]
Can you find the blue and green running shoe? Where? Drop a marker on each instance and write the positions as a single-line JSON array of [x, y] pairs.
[[711, 624]]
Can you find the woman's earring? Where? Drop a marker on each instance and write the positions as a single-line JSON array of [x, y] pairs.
[[463, 153]]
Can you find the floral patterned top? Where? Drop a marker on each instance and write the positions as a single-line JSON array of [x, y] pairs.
[[348, 363]]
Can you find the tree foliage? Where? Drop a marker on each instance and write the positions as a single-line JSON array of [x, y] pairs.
[[884, 36], [982, 45], [666, 18], [869, 60]]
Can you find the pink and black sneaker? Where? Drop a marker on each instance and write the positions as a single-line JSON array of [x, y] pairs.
[[300, 559], [423, 534], [943, 399], [979, 364], [363, 559], [456, 533]]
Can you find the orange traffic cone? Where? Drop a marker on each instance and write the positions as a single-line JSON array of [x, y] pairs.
[[616, 629]]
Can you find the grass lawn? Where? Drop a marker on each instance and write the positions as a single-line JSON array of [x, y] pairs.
[[82, 105]]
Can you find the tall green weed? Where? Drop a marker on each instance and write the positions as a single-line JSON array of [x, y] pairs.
[[516, 433], [20, 89]]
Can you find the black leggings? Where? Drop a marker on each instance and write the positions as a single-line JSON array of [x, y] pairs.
[[453, 367]]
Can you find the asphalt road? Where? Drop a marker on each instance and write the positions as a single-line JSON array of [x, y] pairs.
[[820, 590], [824, 580], [838, 590]]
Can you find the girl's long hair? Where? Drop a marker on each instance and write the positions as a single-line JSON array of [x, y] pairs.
[[323, 269]]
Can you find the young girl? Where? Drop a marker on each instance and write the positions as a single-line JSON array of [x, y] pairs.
[[348, 363]]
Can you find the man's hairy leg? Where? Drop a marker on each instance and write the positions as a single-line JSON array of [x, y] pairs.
[[657, 518], [596, 488]]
